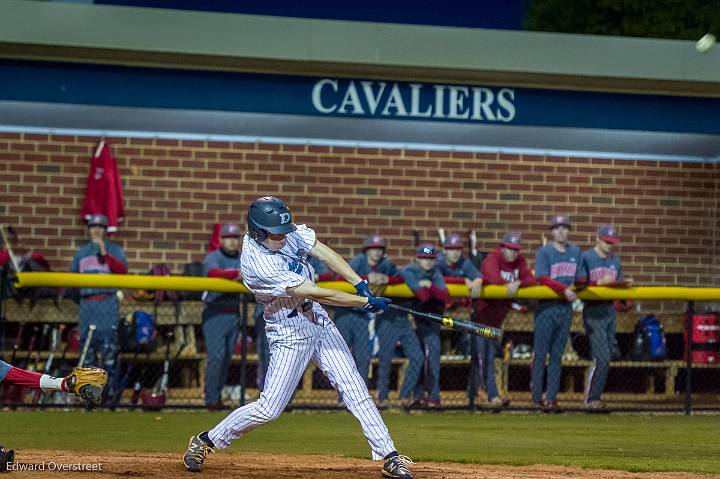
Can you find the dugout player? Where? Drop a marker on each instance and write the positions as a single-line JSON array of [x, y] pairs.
[[275, 269], [555, 267], [221, 315], [375, 266], [503, 266], [100, 306], [425, 280], [457, 268], [599, 266], [353, 323]]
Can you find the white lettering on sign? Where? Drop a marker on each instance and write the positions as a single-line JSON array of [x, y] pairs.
[[413, 100]]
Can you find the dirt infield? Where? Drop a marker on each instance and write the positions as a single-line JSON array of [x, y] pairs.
[[288, 466]]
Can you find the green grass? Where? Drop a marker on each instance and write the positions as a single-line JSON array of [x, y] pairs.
[[627, 442]]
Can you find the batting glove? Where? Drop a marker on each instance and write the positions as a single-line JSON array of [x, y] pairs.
[[363, 289], [377, 305]]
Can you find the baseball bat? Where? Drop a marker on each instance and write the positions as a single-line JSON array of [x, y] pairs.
[[477, 329], [58, 397], [16, 345], [35, 365], [48, 364], [13, 259], [86, 346], [441, 235]]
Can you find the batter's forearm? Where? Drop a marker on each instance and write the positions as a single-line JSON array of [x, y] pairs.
[[336, 298]]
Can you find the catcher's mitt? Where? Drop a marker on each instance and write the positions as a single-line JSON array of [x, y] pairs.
[[88, 383], [7, 456]]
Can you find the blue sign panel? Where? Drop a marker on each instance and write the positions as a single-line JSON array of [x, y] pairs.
[[354, 98]]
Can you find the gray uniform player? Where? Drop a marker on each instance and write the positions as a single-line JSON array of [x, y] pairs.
[[599, 266]]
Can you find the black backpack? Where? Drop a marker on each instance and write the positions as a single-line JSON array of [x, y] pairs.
[[195, 269], [34, 293]]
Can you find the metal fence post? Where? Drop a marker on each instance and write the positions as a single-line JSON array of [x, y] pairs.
[[473, 386], [688, 364]]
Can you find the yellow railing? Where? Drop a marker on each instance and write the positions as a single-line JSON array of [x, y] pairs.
[[188, 283]]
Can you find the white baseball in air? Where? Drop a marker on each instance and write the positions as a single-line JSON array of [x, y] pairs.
[[705, 43]]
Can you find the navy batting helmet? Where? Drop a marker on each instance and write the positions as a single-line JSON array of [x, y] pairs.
[[269, 214]]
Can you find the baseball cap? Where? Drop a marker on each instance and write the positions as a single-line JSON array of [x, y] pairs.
[[512, 241], [609, 234], [426, 251], [559, 220], [230, 229], [374, 241], [454, 241], [97, 219]]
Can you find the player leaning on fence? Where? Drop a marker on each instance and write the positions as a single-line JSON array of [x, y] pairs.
[[599, 266], [503, 266], [555, 266]]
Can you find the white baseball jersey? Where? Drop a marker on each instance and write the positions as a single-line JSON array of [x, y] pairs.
[[268, 275], [299, 331]]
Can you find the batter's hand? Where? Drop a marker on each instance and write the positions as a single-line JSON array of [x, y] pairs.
[[377, 305], [363, 289]]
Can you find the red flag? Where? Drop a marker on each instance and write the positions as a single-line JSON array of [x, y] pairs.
[[104, 190], [214, 242]]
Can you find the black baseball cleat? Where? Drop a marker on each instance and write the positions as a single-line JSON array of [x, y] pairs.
[[7, 456], [196, 453], [397, 467]]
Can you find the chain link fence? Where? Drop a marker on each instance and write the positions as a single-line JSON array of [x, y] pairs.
[[177, 354]]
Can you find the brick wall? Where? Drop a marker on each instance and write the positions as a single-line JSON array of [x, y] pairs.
[[175, 190]]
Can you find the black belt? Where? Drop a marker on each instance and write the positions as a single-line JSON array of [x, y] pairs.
[[306, 306]]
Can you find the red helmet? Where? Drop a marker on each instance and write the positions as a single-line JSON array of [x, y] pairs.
[[374, 241], [454, 241]]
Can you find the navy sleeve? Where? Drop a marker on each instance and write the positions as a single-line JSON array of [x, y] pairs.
[[75, 265], [411, 278], [356, 263], [470, 271], [542, 263], [211, 261], [438, 279], [582, 274]]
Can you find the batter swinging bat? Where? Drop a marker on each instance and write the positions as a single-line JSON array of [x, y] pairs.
[[86, 346], [487, 332]]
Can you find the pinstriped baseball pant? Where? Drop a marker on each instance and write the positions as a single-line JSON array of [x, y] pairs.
[[293, 343]]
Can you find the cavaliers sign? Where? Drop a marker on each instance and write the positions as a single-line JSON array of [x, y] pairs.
[[413, 100]]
